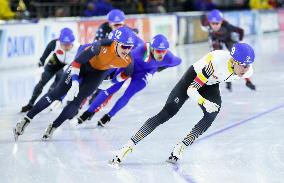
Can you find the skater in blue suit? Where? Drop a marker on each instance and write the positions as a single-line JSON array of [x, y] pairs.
[[148, 59]]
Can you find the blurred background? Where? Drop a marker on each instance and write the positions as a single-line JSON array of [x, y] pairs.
[[27, 26], [249, 149], [30, 9]]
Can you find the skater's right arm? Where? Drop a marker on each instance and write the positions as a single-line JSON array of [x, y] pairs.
[[49, 48], [236, 29], [199, 81]]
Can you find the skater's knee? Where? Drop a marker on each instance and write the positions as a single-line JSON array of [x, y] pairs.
[[54, 94], [125, 99], [170, 110], [39, 86], [166, 113]]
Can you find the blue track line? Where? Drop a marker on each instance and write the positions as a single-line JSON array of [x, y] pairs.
[[241, 122], [187, 177]]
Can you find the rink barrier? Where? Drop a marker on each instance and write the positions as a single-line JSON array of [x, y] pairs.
[[245, 20], [189, 28], [244, 121], [268, 21], [21, 44], [281, 19]]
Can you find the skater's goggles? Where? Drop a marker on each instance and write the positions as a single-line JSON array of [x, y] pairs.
[[242, 65], [66, 44], [117, 25], [125, 47], [215, 23], [160, 51]]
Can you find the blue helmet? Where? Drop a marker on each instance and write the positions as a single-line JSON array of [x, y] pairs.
[[66, 36], [215, 16], [116, 16], [242, 53], [160, 42], [123, 35]]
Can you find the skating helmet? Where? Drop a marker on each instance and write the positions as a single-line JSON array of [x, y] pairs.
[[123, 35], [66, 36], [116, 16], [242, 53], [160, 42], [215, 16]]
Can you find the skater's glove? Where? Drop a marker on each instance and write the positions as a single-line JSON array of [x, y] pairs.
[[210, 106], [250, 85], [73, 91], [148, 76], [40, 63], [106, 84]]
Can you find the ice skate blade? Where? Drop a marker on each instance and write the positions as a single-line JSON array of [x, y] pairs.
[[172, 161], [16, 135], [100, 124], [45, 139], [113, 164]]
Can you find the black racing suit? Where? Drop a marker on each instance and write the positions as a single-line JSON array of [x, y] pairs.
[[53, 67], [175, 101], [223, 35]]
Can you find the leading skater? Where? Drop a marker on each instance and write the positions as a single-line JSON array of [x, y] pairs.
[[201, 84], [91, 66]]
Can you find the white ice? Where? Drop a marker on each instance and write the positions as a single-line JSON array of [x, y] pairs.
[[245, 144]]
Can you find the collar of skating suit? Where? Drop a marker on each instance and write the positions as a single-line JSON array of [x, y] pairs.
[[231, 66], [147, 55]]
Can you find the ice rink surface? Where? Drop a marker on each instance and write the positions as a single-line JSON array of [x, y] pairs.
[[245, 144]]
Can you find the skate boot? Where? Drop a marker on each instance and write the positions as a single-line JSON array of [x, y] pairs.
[[20, 127], [78, 121], [26, 108], [229, 86], [122, 153], [177, 153], [48, 132], [250, 85], [104, 120]]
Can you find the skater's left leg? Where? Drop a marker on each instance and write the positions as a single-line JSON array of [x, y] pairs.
[[211, 93], [89, 84], [174, 102], [44, 102]]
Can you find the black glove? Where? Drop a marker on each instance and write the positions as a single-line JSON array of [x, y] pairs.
[[250, 85], [87, 115], [40, 63]]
